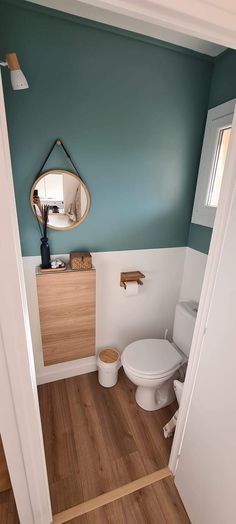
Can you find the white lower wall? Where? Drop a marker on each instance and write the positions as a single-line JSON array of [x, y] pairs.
[[193, 274], [119, 319], [171, 275]]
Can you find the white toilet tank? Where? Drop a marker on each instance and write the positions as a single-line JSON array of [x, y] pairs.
[[185, 317]]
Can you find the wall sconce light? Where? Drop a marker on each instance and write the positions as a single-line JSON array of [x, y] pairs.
[[18, 80]]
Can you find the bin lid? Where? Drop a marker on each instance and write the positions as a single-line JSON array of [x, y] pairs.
[[109, 355]]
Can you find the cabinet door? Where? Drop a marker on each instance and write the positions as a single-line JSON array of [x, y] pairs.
[[67, 315]]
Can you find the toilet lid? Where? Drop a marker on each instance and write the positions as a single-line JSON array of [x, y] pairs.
[[153, 357]]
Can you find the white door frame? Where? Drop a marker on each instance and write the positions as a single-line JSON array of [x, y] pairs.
[[213, 261], [20, 423]]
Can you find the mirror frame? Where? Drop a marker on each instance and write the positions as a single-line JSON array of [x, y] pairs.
[[60, 171]]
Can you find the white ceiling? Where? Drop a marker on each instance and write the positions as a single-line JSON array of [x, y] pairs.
[[146, 17]]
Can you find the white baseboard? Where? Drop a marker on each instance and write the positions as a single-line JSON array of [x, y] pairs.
[[69, 369]]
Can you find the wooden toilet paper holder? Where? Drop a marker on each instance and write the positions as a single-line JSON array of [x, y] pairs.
[[131, 276]]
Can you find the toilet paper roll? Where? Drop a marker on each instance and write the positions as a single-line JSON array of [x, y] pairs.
[[132, 288]]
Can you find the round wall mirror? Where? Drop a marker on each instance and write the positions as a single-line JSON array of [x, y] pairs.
[[66, 195]]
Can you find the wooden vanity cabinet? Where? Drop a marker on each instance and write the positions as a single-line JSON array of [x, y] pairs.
[[67, 302]]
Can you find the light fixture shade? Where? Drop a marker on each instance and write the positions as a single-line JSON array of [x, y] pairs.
[[18, 80]]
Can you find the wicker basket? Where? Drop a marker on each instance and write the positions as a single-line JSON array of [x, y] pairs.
[[81, 260]]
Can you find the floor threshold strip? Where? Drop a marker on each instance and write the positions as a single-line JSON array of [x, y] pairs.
[[110, 496]]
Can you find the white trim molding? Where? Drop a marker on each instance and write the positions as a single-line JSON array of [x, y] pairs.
[[152, 19]]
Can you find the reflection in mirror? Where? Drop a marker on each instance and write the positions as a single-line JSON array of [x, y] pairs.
[[67, 197]]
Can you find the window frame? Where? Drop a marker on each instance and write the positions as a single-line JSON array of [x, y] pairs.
[[218, 118]]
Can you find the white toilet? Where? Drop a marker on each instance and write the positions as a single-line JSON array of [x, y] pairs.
[[178, 389], [153, 364]]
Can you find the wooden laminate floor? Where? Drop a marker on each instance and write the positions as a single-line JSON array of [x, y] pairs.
[[97, 439], [8, 511], [156, 504]]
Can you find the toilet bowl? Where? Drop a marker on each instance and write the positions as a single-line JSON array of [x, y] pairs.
[[153, 364]]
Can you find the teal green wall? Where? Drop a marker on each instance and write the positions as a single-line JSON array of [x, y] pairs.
[[223, 88], [223, 85], [130, 111], [199, 237]]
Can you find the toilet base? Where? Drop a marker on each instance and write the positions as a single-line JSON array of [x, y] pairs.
[[154, 398]]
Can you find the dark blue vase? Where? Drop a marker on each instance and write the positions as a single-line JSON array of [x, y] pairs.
[[45, 253]]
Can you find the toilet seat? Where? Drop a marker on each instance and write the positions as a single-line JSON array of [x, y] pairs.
[[151, 358]]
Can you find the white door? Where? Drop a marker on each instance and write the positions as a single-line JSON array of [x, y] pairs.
[[20, 423], [206, 470]]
